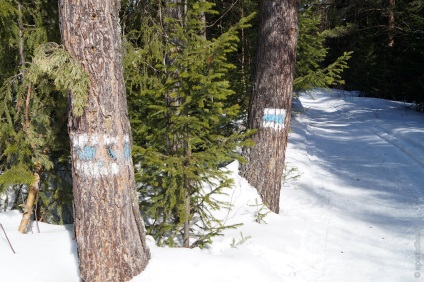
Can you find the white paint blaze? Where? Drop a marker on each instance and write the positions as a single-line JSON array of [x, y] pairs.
[[114, 168], [87, 147], [274, 118], [94, 139], [110, 140], [96, 168]]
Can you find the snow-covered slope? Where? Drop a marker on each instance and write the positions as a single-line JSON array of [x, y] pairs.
[[355, 214], [363, 190]]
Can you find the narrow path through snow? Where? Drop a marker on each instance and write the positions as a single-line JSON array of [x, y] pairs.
[[365, 186]]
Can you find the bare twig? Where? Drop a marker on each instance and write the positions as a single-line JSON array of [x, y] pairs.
[[7, 238], [220, 18], [35, 211]]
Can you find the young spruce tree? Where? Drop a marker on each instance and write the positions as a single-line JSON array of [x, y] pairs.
[[34, 78], [183, 129], [311, 71]]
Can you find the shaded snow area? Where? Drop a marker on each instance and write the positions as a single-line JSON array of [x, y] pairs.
[[355, 213]]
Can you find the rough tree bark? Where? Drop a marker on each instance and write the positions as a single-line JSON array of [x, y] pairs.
[[324, 4], [391, 25], [109, 229], [270, 105], [177, 9]]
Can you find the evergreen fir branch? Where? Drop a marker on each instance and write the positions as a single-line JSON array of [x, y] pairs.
[[7, 14], [32, 114], [311, 53], [339, 31], [54, 62], [177, 85], [16, 175]]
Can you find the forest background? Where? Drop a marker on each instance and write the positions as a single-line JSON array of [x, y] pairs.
[[188, 79]]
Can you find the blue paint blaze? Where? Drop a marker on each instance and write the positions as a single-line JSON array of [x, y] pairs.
[[127, 151], [87, 153], [112, 153], [279, 119], [79, 153]]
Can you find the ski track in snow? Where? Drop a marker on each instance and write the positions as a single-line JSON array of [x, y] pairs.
[[355, 214], [370, 221]]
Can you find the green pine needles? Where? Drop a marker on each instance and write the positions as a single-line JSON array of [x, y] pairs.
[[52, 62], [183, 127], [25, 111], [35, 77], [311, 53]]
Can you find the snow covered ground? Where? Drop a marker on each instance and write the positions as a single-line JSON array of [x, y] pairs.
[[355, 214]]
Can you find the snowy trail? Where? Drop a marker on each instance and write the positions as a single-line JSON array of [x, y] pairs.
[[368, 179], [355, 214]]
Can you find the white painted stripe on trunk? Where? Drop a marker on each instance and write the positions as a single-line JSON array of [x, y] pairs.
[[96, 169], [90, 151]]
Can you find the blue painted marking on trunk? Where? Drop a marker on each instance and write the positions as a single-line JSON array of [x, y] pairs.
[[87, 153], [112, 153], [127, 151], [279, 119], [79, 153]]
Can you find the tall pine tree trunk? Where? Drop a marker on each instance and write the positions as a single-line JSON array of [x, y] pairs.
[[390, 58], [324, 16], [108, 225], [391, 25], [270, 105], [177, 10], [187, 196]]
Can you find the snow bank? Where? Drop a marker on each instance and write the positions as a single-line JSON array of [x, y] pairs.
[[355, 214]]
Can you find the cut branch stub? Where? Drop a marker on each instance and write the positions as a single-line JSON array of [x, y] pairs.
[[29, 206]]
